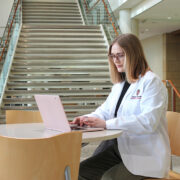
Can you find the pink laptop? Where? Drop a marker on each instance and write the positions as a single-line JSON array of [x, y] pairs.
[[53, 115]]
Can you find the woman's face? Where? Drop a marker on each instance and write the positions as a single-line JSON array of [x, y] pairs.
[[118, 57]]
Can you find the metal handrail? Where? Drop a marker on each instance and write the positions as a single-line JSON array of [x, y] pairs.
[[174, 88], [9, 31], [108, 13], [110, 18], [93, 16], [86, 5], [174, 92]]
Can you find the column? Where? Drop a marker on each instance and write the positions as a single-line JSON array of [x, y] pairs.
[[128, 25]]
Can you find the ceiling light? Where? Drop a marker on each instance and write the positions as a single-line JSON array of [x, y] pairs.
[[146, 29], [169, 17]]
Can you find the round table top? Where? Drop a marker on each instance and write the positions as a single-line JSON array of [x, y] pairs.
[[38, 130]]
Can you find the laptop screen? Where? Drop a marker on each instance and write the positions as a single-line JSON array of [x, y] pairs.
[[52, 112]]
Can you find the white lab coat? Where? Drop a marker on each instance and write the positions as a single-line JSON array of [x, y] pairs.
[[144, 144]]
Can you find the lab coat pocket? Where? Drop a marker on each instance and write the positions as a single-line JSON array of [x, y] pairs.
[[142, 144]]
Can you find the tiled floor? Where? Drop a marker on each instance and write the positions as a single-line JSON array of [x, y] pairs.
[[88, 150], [176, 163]]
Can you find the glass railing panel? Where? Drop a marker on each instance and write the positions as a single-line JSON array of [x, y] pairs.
[[8, 43], [14, 17], [99, 12]]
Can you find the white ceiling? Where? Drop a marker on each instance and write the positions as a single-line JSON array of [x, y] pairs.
[[163, 17]]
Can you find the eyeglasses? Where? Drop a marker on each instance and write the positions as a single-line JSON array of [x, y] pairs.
[[118, 56]]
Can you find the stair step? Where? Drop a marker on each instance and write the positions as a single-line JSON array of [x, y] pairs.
[[97, 66], [61, 40], [52, 11], [45, 8], [64, 34], [59, 85], [66, 108], [59, 71], [70, 92], [52, 21], [58, 78], [59, 64], [65, 100], [45, 17], [64, 61], [48, 4], [56, 15], [51, 15], [57, 26], [62, 45], [90, 57], [58, 51], [53, 37], [42, 31]]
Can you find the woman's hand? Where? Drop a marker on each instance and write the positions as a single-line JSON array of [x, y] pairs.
[[94, 122], [79, 120]]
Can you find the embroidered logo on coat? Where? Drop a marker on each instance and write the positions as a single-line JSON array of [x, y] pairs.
[[137, 92], [137, 95]]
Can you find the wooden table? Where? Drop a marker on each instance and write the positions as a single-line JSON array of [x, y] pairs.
[[37, 130]]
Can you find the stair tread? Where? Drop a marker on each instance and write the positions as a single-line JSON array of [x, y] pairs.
[[60, 34], [52, 18], [58, 78], [56, 39], [67, 99], [65, 84], [42, 31], [56, 45], [57, 14], [30, 8], [74, 92], [49, 3], [59, 71], [59, 51], [70, 40], [57, 26], [62, 56], [67, 109]]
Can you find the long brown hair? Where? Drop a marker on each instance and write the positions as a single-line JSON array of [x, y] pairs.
[[136, 63]]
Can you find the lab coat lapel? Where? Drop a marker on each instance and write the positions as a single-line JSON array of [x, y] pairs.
[[129, 91]]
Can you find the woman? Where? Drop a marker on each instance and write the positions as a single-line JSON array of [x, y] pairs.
[[137, 104]]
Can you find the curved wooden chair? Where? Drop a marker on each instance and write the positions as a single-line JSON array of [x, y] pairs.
[[22, 116], [174, 136], [41, 159], [173, 119]]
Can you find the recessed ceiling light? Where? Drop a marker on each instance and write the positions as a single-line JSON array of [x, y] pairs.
[[169, 17]]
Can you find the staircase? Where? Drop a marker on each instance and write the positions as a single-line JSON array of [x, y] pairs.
[[58, 54]]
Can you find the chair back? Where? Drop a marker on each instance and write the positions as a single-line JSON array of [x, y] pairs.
[[22, 116], [174, 131], [40, 159]]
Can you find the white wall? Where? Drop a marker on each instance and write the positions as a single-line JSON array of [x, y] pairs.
[[5, 8], [154, 51]]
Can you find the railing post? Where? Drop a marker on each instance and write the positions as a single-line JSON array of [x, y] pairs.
[[173, 100]]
